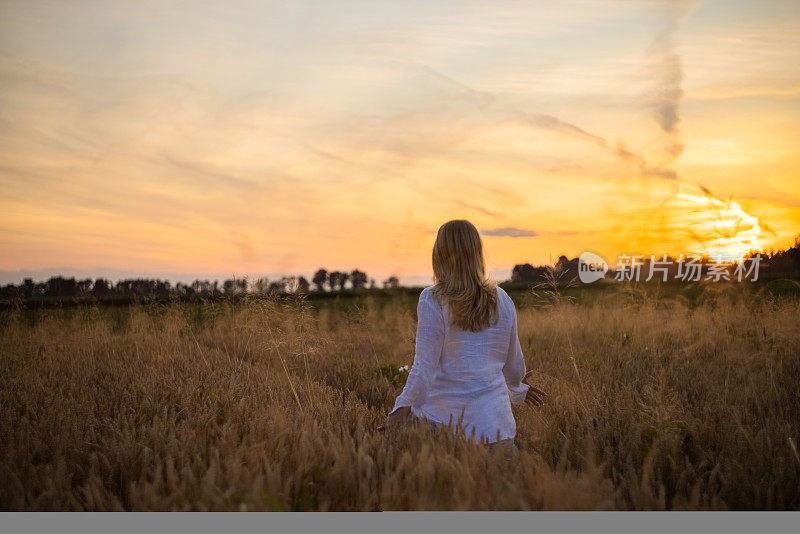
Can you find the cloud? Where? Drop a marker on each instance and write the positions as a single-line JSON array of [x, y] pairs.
[[663, 96], [721, 92], [198, 171], [666, 76], [644, 168], [555, 124], [479, 209], [509, 231]]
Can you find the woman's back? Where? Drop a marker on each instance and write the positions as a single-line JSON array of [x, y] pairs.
[[474, 360], [463, 374]]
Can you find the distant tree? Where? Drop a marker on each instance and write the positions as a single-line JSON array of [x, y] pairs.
[[342, 280], [126, 287], [261, 285], [143, 287], [526, 272], [565, 269], [58, 286], [372, 283], [123, 287], [337, 280], [202, 287], [234, 286], [27, 288], [782, 261], [228, 286], [101, 288], [289, 284], [183, 289], [10, 291], [320, 278], [279, 286], [391, 282], [39, 289], [163, 288], [358, 279], [85, 287], [333, 280], [302, 284]]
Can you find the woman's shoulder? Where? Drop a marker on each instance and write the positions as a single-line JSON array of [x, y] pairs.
[[427, 294], [504, 299], [428, 298], [502, 295]]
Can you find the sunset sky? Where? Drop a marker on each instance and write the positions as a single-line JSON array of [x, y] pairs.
[[183, 138]]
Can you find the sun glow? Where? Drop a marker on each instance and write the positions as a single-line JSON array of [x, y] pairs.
[[723, 230]]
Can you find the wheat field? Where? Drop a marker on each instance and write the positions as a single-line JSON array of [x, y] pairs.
[[272, 404]]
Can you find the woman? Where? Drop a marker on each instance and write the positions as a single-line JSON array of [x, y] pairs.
[[468, 363]]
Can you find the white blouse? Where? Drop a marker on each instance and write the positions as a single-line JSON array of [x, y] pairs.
[[478, 374]]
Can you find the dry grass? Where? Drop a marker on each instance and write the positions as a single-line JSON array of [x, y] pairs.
[[269, 405]]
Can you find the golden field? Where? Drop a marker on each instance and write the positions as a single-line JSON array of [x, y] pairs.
[[272, 404]]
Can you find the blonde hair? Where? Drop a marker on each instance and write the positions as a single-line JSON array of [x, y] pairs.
[[459, 273]]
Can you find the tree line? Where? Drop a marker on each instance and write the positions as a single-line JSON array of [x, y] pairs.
[[772, 262], [783, 262], [59, 286]]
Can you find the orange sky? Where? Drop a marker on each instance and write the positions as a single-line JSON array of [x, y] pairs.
[[246, 138]]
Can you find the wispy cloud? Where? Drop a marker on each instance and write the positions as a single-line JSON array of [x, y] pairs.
[[509, 231], [665, 74]]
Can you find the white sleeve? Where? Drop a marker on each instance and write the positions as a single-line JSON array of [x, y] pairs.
[[427, 353], [514, 368]]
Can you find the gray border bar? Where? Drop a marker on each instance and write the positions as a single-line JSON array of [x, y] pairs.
[[403, 522]]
